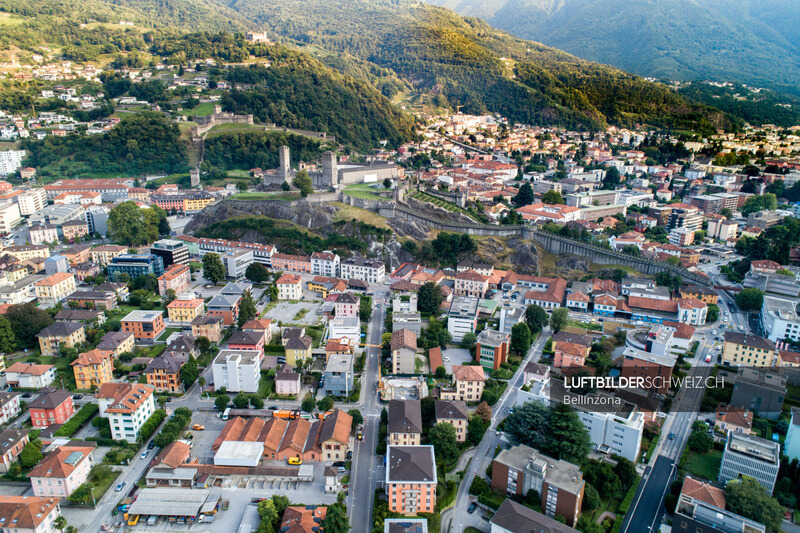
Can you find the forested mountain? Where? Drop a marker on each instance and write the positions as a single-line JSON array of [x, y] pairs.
[[749, 41]]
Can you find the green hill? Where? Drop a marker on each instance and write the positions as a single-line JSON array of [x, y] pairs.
[[749, 41]]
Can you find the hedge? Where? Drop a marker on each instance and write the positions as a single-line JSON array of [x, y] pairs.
[[491, 499], [152, 423], [74, 424], [626, 501], [173, 428]]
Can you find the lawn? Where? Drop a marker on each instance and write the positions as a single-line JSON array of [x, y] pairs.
[[349, 212], [704, 465], [590, 326], [438, 202], [102, 484], [204, 109], [266, 387], [364, 191], [64, 372], [792, 395], [265, 196], [167, 333]]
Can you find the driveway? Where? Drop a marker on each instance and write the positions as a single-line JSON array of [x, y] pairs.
[[287, 313], [457, 356]]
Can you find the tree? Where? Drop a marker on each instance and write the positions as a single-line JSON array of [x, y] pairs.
[[429, 298], [570, 438], [169, 297], [8, 341], [285, 187], [213, 270], [445, 444], [303, 182], [557, 432], [269, 516], [203, 344], [524, 196], [630, 249], [30, 455], [520, 338], [750, 299], [358, 418], [247, 308], [626, 471], [308, 403], [469, 340], [441, 372], [27, 320], [552, 197], [257, 273], [221, 402], [536, 318], [130, 225], [764, 202], [611, 179], [335, 520], [427, 406], [241, 401], [325, 404], [475, 430], [529, 424], [699, 440], [60, 523], [591, 498], [189, 372], [484, 411], [256, 402], [559, 319], [749, 499]]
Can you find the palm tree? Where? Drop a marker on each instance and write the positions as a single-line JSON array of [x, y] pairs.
[[202, 382], [60, 523]]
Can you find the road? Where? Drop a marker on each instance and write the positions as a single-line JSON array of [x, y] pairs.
[[485, 452], [363, 480]]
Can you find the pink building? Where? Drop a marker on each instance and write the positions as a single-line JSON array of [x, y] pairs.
[[62, 471], [300, 264], [176, 277], [287, 382], [411, 479], [347, 304]]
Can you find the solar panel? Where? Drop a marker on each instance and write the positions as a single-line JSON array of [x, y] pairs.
[[74, 458]]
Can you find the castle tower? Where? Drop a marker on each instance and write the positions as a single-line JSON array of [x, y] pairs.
[[194, 175], [285, 163], [330, 171]]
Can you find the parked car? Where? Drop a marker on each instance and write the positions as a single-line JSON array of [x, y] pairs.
[[349, 455], [198, 427], [77, 396], [295, 461], [472, 507]]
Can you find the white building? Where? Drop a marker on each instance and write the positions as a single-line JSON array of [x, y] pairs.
[[237, 370], [236, 262], [751, 456], [723, 230], [127, 407], [779, 318], [692, 312], [369, 270], [326, 264], [32, 514], [462, 317], [681, 236], [9, 217], [30, 375], [290, 287], [10, 161], [31, 201], [345, 326]]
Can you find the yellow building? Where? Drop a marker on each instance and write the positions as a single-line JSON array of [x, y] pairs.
[[196, 203], [102, 255], [55, 288], [185, 310], [71, 334], [298, 349], [704, 294], [28, 251], [92, 369], [750, 350]]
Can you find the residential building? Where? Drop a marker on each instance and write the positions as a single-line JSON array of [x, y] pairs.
[[26, 252], [697, 292], [509, 317], [750, 350], [74, 229], [513, 517], [92, 369], [208, 326], [71, 334], [30, 375], [454, 413], [225, 306], [55, 288], [655, 368], [560, 484], [145, 325], [462, 317], [697, 516], [185, 310], [692, 312], [93, 299], [299, 264], [750, 456], [792, 442], [62, 471], [127, 407], [171, 252], [403, 348], [12, 441], [177, 277], [470, 284], [9, 406], [235, 263], [410, 479], [29, 514], [339, 375], [730, 418], [104, 254], [244, 340], [298, 350], [21, 291], [547, 293], [85, 270], [135, 265], [237, 371], [369, 270], [9, 217], [405, 525], [759, 391], [305, 519], [468, 384], [325, 263], [117, 342], [43, 233], [290, 287], [779, 319], [347, 304], [405, 423], [491, 348], [164, 374], [325, 286], [334, 438], [338, 346], [570, 349], [261, 326], [287, 382], [51, 407]]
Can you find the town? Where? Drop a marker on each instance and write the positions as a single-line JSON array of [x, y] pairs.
[[161, 374]]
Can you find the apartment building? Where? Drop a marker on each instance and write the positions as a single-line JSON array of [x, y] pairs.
[[454, 413], [750, 456], [177, 277], [62, 471], [9, 217], [779, 319], [30, 375], [338, 374], [43, 233], [237, 370], [208, 326], [146, 326], [491, 348], [185, 310], [164, 374], [467, 385], [325, 263], [513, 517], [92, 369], [298, 264], [105, 254], [405, 423], [135, 265], [750, 350], [290, 287], [235, 263], [171, 252], [71, 334], [51, 407], [410, 479], [570, 349], [55, 288], [759, 391], [403, 347], [471, 284], [127, 407], [462, 318], [12, 442], [30, 514], [369, 270]]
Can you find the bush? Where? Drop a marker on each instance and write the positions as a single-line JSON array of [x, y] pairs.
[[479, 486], [174, 427], [74, 424], [151, 425]]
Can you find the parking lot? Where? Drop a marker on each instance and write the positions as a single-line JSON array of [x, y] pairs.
[[203, 440], [285, 313], [457, 356]]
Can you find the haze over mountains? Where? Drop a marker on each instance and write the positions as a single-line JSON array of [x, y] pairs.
[[750, 41]]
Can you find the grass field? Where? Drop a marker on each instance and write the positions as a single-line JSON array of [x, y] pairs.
[[204, 109], [349, 212], [364, 191], [7, 19], [265, 196], [704, 465], [438, 202], [229, 128]]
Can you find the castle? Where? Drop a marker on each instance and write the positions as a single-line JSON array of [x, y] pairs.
[[333, 174]]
